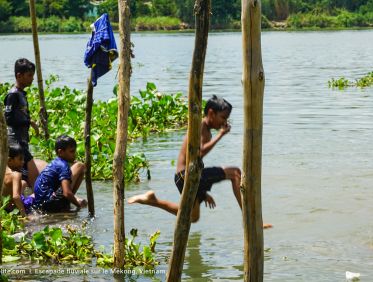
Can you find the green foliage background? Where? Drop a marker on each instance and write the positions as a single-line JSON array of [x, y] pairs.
[[76, 15]]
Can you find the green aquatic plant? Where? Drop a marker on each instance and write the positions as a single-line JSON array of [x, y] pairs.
[[51, 245], [3, 278], [156, 112], [151, 112], [365, 81], [10, 221], [135, 256], [72, 245], [342, 83], [75, 246]]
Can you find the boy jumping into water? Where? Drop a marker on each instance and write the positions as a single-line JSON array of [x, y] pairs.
[[216, 114]]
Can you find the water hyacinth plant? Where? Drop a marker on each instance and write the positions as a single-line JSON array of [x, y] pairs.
[[68, 245], [365, 81], [342, 83], [151, 112], [135, 256]]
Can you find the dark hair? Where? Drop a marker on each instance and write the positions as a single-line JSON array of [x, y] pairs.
[[15, 150], [217, 105], [63, 142], [22, 66]]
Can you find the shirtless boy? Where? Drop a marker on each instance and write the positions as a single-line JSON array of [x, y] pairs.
[[216, 114]]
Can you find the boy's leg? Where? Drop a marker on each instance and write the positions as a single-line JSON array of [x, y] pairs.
[[77, 175], [234, 174], [194, 217], [150, 199], [34, 167]]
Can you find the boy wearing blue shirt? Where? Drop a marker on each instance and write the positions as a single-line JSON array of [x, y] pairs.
[[57, 184]]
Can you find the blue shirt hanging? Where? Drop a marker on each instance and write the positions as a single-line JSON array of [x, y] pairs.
[[101, 48]]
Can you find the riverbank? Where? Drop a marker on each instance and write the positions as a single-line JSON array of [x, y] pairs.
[[301, 21]]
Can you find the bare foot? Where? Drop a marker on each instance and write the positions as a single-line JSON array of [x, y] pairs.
[[146, 198], [267, 225]]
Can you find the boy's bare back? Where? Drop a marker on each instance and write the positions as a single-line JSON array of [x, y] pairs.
[[8, 183]]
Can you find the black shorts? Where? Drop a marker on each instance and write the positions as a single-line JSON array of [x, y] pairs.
[[57, 203], [26, 155], [209, 176]]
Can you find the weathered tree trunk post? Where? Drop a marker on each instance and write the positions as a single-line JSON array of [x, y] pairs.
[[3, 163], [193, 162], [122, 124], [253, 88], [87, 144], [43, 110]]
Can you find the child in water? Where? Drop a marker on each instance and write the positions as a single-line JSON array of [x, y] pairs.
[[216, 114]]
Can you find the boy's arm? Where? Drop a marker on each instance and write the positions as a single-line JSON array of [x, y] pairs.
[[16, 192], [207, 143], [66, 188]]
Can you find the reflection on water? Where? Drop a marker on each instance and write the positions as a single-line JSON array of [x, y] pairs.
[[317, 150], [196, 269]]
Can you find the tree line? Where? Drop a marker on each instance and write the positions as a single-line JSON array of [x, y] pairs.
[[225, 14]]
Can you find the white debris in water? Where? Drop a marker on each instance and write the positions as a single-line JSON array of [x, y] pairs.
[[18, 236], [351, 276]]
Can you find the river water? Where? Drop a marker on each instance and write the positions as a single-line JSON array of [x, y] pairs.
[[317, 150]]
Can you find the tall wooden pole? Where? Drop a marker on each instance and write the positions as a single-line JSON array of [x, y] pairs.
[[87, 144], [122, 124], [3, 163], [43, 110], [193, 162], [253, 92]]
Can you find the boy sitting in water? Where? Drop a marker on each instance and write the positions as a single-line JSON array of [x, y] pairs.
[[12, 185], [216, 114], [57, 184]]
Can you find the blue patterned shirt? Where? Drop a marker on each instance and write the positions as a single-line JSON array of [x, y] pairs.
[[50, 180]]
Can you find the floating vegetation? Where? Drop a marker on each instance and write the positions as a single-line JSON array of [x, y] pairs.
[[342, 83], [365, 81], [69, 245], [134, 255], [151, 112]]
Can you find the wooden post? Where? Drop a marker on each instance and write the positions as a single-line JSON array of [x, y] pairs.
[[3, 163], [43, 110], [122, 124], [253, 92], [87, 144], [193, 162]]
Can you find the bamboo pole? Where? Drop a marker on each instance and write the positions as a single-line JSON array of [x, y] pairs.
[[87, 144], [193, 161], [3, 163], [253, 92], [122, 124], [43, 110]]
